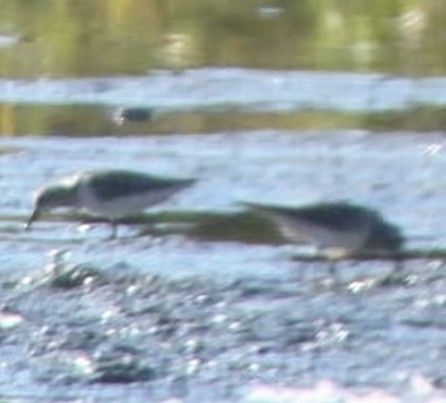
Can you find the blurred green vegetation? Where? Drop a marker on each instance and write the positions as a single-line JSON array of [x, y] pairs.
[[85, 121], [108, 37]]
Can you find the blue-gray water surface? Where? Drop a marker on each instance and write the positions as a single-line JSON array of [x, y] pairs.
[[398, 173], [225, 88]]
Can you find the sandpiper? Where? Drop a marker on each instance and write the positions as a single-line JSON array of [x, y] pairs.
[[338, 229], [133, 114], [111, 194]]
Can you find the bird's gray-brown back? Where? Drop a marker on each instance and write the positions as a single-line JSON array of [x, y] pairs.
[[110, 185], [336, 216], [338, 224]]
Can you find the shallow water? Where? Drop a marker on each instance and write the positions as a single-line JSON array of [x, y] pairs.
[[251, 90], [213, 99], [398, 173]]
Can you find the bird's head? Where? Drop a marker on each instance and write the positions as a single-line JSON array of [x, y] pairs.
[[49, 198]]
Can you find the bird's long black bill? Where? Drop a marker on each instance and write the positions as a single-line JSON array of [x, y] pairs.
[[31, 219]]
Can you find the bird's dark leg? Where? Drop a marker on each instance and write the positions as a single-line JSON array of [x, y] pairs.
[[114, 228], [332, 268], [334, 277], [399, 263]]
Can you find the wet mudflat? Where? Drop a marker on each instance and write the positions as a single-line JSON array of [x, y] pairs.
[[176, 314], [88, 332]]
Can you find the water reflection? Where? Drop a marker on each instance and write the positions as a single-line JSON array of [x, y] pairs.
[[46, 41], [74, 38]]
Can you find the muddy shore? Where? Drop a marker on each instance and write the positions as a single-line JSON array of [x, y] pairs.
[[74, 330]]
